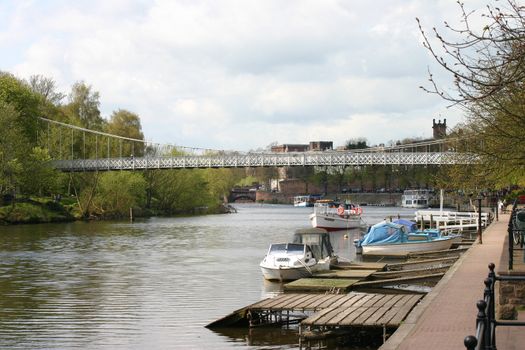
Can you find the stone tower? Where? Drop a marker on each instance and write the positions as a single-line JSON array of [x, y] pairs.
[[439, 129]]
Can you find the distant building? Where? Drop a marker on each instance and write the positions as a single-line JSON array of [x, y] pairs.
[[313, 146], [284, 148], [439, 129], [321, 145]]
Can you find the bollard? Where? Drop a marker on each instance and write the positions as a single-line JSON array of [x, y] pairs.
[[479, 221]]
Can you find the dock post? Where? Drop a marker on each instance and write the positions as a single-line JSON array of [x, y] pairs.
[[431, 220], [479, 221]]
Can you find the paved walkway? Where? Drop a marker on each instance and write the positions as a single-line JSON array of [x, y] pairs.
[[448, 313]]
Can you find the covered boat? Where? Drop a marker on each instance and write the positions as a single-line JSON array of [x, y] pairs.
[[389, 238], [310, 251]]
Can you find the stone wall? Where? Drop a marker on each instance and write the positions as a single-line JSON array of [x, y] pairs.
[[511, 295]]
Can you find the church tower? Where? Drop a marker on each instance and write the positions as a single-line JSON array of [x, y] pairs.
[[439, 129]]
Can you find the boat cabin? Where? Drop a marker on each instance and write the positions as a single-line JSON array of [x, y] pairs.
[[317, 239]]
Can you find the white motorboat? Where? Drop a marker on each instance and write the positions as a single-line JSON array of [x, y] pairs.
[[310, 251], [302, 201], [388, 238], [416, 198], [332, 216]]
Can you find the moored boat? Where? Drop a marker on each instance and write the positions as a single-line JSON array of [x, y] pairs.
[[310, 251], [416, 198], [388, 238], [332, 216], [305, 200]]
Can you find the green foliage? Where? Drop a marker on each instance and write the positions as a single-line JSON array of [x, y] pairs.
[[359, 143], [18, 94], [119, 191], [13, 145], [126, 124], [40, 178]]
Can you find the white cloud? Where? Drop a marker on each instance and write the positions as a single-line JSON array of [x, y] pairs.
[[238, 74]]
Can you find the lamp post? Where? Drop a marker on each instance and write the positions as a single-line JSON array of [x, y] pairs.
[[479, 220]]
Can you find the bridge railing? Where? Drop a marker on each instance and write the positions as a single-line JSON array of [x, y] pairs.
[[486, 322], [262, 160]]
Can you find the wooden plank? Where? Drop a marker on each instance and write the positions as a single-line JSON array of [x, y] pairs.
[[361, 266], [411, 272], [372, 320], [420, 263], [353, 274], [299, 303], [329, 302], [446, 252], [312, 320], [351, 301], [323, 298], [393, 310], [274, 301], [361, 320], [286, 302], [403, 312], [394, 281], [320, 284]]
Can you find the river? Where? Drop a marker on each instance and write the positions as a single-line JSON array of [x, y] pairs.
[[151, 284]]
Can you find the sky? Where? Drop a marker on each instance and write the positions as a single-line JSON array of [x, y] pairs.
[[241, 74]]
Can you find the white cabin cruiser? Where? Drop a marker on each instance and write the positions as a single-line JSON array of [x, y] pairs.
[[333, 216], [310, 251]]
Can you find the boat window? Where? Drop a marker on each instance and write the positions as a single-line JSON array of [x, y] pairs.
[[294, 248], [275, 248], [408, 201]]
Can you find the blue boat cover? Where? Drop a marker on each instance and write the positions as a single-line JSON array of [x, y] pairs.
[[385, 233], [412, 228], [410, 225]]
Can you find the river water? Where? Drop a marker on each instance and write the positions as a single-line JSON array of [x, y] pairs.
[[150, 284]]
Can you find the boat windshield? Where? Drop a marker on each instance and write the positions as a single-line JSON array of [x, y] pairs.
[[289, 248]]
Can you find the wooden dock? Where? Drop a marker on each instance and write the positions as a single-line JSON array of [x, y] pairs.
[[324, 310]]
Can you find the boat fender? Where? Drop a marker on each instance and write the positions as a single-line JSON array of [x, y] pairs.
[[340, 211]]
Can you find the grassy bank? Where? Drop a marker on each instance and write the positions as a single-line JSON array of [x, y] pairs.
[[29, 211]]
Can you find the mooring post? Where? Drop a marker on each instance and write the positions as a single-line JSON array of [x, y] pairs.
[[479, 221], [431, 220]]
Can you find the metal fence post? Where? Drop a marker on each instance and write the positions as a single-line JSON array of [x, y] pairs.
[[470, 342], [479, 221]]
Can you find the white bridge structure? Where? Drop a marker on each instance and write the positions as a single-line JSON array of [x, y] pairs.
[[74, 158], [326, 158]]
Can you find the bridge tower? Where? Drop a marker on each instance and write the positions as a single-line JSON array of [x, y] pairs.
[[439, 129]]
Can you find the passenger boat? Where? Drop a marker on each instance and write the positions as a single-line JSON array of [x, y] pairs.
[[389, 238], [333, 216], [416, 198], [310, 251], [305, 201]]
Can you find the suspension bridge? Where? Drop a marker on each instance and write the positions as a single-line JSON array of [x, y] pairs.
[[77, 149]]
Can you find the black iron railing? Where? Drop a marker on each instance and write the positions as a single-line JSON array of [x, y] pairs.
[[516, 235], [486, 322]]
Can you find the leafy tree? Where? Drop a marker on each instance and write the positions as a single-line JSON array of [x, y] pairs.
[[84, 106], [18, 94], [46, 87], [358, 143], [40, 178], [126, 124], [118, 192], [487, 67], [12, 144]]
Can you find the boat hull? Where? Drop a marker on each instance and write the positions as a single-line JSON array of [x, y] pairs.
[[409, 247], [284, 273], [334, 222]]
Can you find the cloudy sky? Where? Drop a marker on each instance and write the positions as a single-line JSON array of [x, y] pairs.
[[239, 74]]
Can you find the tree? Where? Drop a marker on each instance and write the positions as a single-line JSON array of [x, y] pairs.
[[46, 87], [126, 124], [118, 192], [358, 143], [11, 143], [17, 93], [84, 106], [487, 67]]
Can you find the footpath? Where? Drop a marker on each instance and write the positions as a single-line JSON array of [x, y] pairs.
[[448, 314]]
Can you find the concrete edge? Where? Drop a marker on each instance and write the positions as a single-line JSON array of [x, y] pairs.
[[407, 327]]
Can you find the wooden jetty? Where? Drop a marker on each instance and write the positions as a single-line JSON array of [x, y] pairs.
[[324, 310], [360, 310]]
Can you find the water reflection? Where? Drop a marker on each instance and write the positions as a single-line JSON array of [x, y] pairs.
[[153, 283]]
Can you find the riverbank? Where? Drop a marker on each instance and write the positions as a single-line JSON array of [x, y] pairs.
[[47, 210], [28, 211]]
